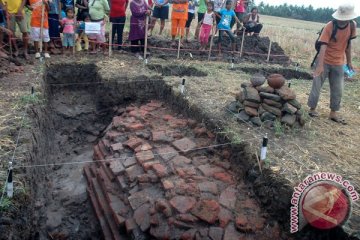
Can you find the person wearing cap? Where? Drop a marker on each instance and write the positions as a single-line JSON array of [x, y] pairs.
[[334, 53]]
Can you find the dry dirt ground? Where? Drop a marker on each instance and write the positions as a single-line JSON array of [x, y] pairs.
[[292, 153]]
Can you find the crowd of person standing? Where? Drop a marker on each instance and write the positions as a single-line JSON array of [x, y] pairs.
[[60, 24]]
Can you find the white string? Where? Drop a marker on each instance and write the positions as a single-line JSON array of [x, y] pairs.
[[123, 158], [13, 155]]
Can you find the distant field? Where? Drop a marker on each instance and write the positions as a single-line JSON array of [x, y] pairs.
[[297, 38]]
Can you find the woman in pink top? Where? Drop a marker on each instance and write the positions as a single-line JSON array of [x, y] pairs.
[[68, 29]]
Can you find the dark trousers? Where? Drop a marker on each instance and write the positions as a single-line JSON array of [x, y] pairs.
[[229, 33], [137, 45], [118, 29], [256, 29]]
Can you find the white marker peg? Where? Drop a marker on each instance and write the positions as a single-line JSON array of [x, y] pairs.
[[182, 88], [264, 148], [9, 182]]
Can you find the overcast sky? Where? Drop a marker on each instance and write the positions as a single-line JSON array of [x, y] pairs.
[[315, 3]]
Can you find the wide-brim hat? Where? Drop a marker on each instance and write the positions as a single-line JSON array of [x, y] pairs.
[[345, 12]]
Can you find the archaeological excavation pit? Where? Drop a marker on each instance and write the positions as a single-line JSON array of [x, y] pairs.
[[128, 159]]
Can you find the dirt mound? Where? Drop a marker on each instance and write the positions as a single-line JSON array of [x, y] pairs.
[[255, 49], [177, 70], [288, 73]]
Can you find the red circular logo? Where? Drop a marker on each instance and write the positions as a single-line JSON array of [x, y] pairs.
[[325, 206]]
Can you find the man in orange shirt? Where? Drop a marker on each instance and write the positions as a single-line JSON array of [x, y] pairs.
[[331, 60], [36, 28], [179, 17]]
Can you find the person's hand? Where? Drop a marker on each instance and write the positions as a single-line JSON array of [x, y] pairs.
[[19, 15], [5, 30], [350, 66], [319, 70], [148, 12]]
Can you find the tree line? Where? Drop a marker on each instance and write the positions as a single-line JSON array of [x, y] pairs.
[[308, 13]]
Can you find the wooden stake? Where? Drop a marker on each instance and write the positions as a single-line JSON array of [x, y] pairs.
[[146, 36], [178, 53], [268, 56], [242, 42], [211, 42], [110, 39], [42, 26], [11, 35], [75, 23]]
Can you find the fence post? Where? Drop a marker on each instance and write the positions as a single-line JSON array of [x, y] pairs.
[[146, 38], [242, 42], [178, 52], [110, 39], [211, 42], [41, 27], [268, 56]]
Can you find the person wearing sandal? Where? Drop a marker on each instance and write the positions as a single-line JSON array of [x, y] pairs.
[[332, 58]]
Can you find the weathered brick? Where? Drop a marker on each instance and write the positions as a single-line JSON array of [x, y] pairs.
[[130, 161], [133, 171], [161, 136], [142, 217], [118, 121], [143, 147], [180, 160], [225, 216], [137, 199], [167, 153], [228, 198], [135, 126], [199, 160], [208, 187], [161, 231], [200, 131], [189, 234], [224, 177], [167, 117], [116, 147], [186, 171], [209, 170], [160, 170], [117, 167], [148, 165], [112, 135], [132, 143], [187, 218], [130, 225], [144, 156], [162, 206], [184, 145], [207, 210], [182, 203], [167, 184], [231, 233], [177, 123]]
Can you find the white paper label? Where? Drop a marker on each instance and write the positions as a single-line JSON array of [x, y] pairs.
[[92, 27], [263, 153]]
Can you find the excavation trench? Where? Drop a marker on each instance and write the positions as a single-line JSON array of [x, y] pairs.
[[129, 159]]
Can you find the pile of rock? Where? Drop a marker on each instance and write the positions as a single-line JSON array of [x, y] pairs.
[[262, 105]]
